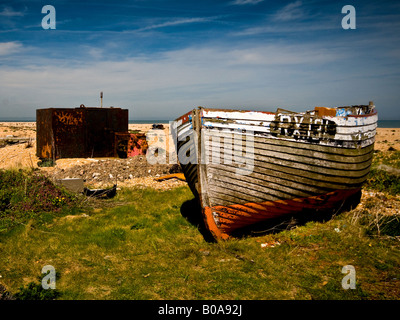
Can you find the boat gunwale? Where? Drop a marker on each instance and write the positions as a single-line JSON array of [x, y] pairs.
[[373, 112], [186, 117]]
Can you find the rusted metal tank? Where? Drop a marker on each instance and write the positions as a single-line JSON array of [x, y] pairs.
[[79, 132]]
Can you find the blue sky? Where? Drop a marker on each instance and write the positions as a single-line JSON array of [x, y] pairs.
[[160, 59]]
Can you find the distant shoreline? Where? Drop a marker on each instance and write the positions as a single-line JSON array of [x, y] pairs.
[[388, 124]]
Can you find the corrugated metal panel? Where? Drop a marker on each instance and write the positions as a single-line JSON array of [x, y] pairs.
[[80, 132]]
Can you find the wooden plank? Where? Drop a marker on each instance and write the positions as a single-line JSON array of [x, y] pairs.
[[285, 131], [348, 147], [263, 145], [236, 196], [308, 147], [308, 180], [306, 167], [271, 116], [278, 180], [250, 186], [260, 154], [312, 172], [235, 114], [356, 133], [266, 126], [203, 188], [297, 181], [248, 189]]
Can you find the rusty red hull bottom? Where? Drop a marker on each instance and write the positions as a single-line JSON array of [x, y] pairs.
[[233, 217]]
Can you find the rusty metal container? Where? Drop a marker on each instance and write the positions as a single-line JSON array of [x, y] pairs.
[[79, 132]]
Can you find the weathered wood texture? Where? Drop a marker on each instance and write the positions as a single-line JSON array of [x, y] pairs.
[[281, 172], [235, 158], [223, 220]]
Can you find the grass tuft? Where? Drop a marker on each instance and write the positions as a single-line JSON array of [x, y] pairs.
[[27, 194]]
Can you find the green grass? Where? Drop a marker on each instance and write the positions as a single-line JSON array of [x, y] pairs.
[[385, 173], [139, 246], [387, 158], [27, 195]]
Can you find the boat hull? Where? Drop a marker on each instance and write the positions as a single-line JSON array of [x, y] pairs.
[[245, 167], [222, 221]]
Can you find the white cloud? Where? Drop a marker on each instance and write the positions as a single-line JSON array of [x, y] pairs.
[[292, 11], [173, 23], [95, 53], [293, 27], [244, 2], [9, 12], [170, 83], [256, 55], [7, 48]]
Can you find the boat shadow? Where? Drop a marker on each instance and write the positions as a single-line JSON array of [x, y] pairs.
[[287, 222], [191, 211]]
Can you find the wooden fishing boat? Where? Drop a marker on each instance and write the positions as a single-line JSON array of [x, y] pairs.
[[245, 167]]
